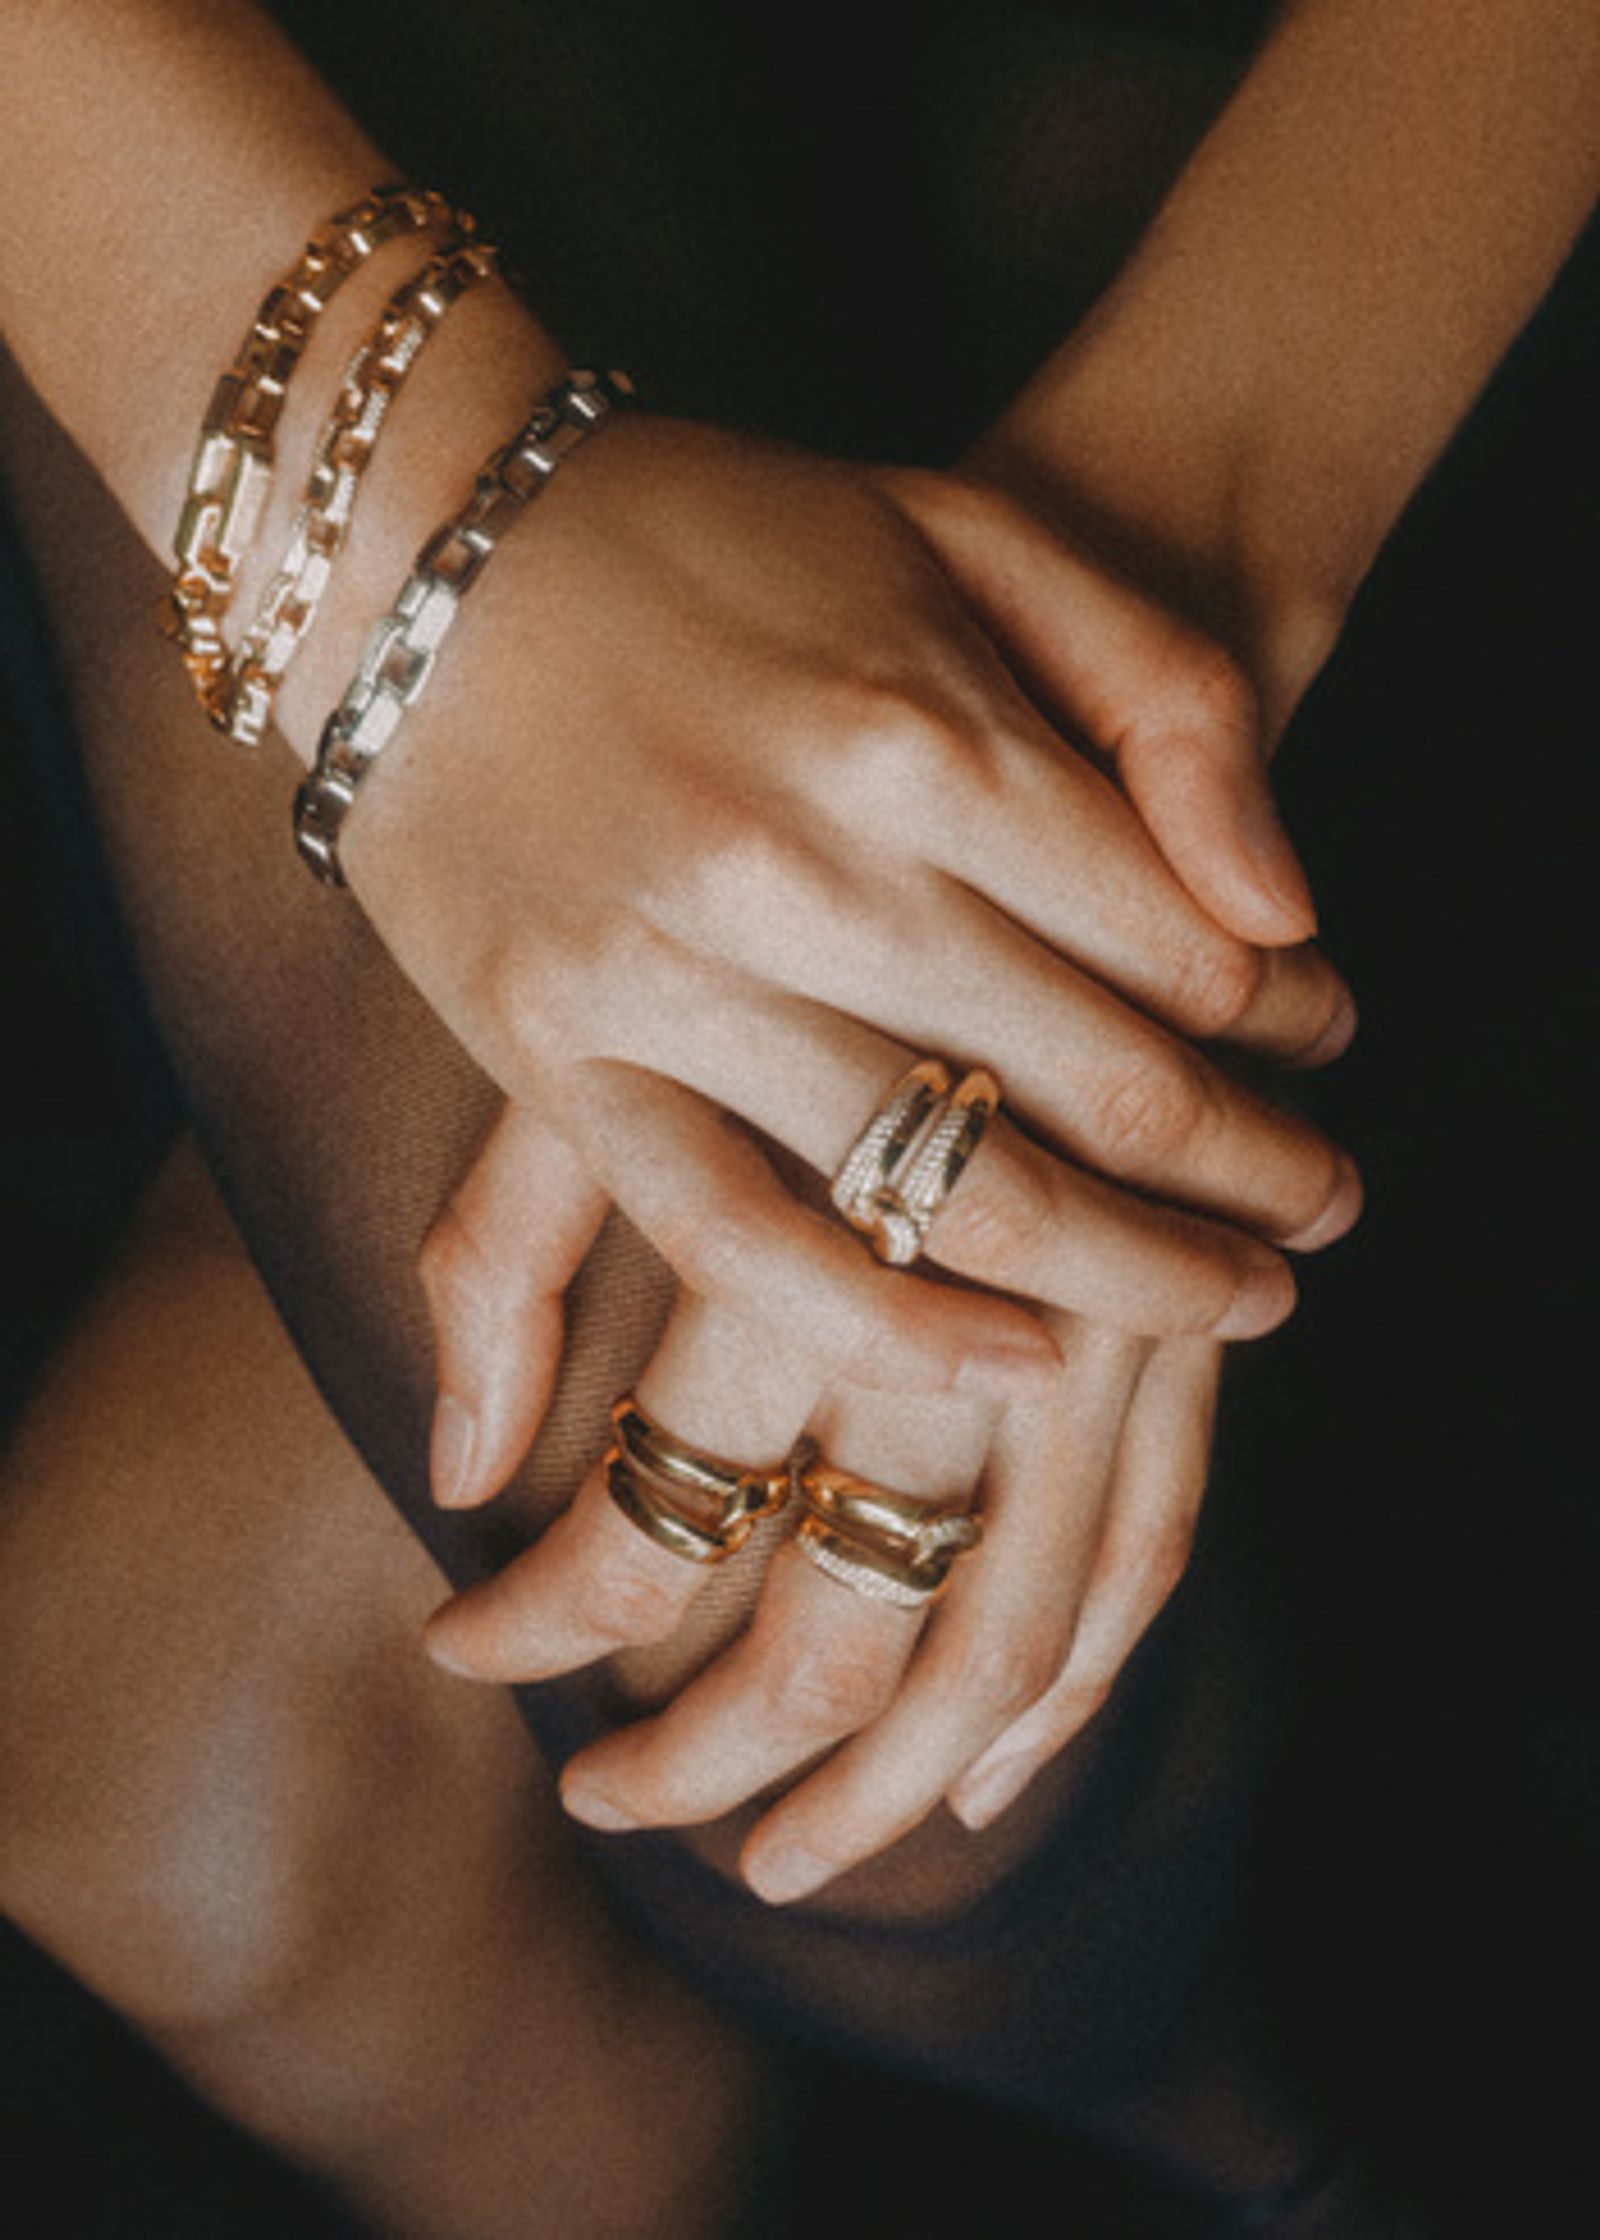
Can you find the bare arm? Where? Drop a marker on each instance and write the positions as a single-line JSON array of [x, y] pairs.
[[1328, 287]]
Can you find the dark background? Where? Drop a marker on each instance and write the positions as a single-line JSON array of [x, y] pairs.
[[1419, 1444]]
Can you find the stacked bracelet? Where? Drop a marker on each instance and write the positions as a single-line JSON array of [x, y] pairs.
[[403, 646], [233, 462], [232, 475], [372, 381]]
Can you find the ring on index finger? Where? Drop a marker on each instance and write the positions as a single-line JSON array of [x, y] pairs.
[[911, 1154], [695, 1505], [878, 1543]]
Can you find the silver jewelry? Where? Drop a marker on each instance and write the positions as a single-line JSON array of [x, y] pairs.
[[400, 652]]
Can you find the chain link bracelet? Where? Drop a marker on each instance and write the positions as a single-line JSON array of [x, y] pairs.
[[372, 380], [233, 462], [402, 648]]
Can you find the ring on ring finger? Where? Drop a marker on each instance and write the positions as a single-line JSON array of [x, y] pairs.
[[693, 1504], [876, 1542]]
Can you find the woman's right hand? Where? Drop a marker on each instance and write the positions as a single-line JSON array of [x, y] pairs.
[[723, 805]]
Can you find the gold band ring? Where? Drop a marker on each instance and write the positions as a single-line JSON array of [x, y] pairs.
[[695, 1505], [880, 1544], [911, 1154]]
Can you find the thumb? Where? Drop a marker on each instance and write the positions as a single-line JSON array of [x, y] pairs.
[[494, 1267], [1167, 707]]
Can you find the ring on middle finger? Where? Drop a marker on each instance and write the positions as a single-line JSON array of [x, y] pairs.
[[911, 1154], [693, 1504], [878, 1543]]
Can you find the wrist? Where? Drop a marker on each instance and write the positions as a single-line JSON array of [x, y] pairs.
[[1190, 499], [470, 391]]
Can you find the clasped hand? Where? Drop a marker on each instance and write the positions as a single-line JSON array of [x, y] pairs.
[[737, 809]]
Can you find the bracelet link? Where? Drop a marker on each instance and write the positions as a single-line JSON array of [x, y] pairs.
[[403, 646]]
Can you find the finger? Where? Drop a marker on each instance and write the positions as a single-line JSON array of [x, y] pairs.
[[937, 967], [943, 970], [594, 1583], [1176, 716], [1019, 1220], [818, 1662], [1157, 1489], [494, 1268], [1150, 1103], [698, 1186], [1008, 811], [995, 1644]]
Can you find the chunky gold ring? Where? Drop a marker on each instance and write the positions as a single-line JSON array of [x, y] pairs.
[[695, 1505], [911, 1154], [879, 1543]]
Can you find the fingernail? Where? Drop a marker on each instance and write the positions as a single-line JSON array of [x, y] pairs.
[[1340, 1214], [1010, 1371], [450, 1453], [441, 1654], [984, 1795], [786, 1872], [1336, 1037], [596, 1810], [1277, 866], [1261, 1301]]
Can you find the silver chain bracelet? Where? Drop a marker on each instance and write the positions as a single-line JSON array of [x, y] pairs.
[[403, 646]]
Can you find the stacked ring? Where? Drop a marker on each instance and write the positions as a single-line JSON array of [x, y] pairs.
[[694, 1505], [910, 1156], [880, 1544]]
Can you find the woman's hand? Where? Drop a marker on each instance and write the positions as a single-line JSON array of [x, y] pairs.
[[1089, 1498], [726, 808]]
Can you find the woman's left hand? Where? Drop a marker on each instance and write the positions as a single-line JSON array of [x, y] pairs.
[[1089, 1500]]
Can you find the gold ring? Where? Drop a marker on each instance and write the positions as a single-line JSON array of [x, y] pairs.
[[911, 1154], [695, 1505], [881, 1544]]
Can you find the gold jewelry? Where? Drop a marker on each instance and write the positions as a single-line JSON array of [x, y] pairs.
[[910, 1156], [241, 703], [403, 645], [233, 462], [695, 1505], [887, 1137], [879, 1543]]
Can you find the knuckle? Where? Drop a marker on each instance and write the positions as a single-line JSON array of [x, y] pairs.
[[1148, 1111], [1009, 1673], [1082, 1699], [831, 1693], [1217, 982], [992, 1225], [628, 1604], [449, 1262], [717, 1247], [1164, 1563], [1205, 689], [898, 751]]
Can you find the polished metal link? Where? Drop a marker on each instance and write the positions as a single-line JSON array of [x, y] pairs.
[[245, 690], [233, 462], [403, 646]]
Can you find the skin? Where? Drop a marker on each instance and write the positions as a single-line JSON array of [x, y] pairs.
[[330, 1884], [1140, 434], [1346, 211], [845, 754]]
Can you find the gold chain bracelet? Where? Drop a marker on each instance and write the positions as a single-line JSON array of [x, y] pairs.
[[372, 381], [233, 462]]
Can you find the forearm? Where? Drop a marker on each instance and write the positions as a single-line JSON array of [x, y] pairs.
[[161, 162], [1328, 287]]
